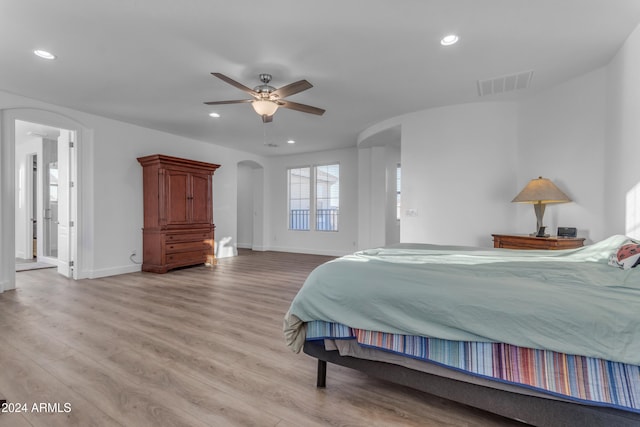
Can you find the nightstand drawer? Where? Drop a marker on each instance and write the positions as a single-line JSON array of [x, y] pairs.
[[523, 241]]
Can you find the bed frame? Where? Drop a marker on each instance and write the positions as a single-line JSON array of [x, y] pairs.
[[529, 409]]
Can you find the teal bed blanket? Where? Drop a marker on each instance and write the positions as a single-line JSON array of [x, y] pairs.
[[568, 301]]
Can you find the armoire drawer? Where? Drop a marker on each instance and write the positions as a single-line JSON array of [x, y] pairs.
[[188, 246], [188, 237], [181, 257]]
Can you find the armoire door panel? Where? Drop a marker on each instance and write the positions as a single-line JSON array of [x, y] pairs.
[[178, 202], [200, 199]]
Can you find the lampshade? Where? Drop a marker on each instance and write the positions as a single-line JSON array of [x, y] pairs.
[[540, 192], [264, 107]]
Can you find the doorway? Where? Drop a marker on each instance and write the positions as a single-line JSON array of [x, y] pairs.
[[43, 167]]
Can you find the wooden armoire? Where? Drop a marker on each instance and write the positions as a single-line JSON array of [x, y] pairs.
[[178, 213]]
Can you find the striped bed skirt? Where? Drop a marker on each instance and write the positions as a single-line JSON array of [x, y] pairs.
[[583, 379]]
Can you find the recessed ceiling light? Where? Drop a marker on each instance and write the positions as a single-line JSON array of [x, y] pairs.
[[216, 115], [44, 54], [291, 141], [449, 40]]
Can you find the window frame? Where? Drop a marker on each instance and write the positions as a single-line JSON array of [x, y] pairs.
[[289, 209], [398, 191], [315, 197], [313, 201]]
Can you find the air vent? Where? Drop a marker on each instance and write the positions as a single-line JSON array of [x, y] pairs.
[[504, 84]]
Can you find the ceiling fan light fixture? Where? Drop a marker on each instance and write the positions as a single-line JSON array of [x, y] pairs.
[[449, 40], [44, 54], [264, 107]]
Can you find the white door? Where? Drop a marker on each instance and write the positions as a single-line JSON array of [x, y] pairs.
[[65, 225]]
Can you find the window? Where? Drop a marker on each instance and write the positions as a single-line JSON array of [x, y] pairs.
[[299, 198], [324, 181], [398, 186], [327, 197]]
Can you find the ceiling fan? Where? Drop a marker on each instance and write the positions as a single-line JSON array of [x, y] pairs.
[[267, 99]]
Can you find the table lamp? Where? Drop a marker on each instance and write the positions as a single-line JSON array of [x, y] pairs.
[[540, 192]]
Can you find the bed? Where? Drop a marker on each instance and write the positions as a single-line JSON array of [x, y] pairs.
[[545, 337]]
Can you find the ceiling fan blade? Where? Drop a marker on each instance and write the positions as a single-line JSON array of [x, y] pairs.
[[291, 89], [300, 107], [237, 84], [267, 119], [237, 101]]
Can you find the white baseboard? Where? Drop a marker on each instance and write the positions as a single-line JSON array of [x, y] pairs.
[[114, 271], [326, 252], [227, 254], [253, 248]]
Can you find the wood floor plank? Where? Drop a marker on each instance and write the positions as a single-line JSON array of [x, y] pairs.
[[196, 346], [26, 383]]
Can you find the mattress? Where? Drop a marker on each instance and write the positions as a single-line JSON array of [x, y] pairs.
[[568, 301]]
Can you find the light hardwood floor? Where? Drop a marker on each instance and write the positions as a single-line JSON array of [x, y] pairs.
[[194, 347]]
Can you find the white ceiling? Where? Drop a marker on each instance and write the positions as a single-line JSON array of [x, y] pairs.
[[148, 62]]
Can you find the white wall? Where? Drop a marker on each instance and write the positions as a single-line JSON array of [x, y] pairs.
[[561, 136], [118, 181], [461, 164], [372, 197], [458, 169], [259, 213], [392, 225], [622, 187], [111, 182], [280, 238], [245, 206], [377, 223]]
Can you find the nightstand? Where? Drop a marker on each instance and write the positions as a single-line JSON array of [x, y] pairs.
[[524, 241]]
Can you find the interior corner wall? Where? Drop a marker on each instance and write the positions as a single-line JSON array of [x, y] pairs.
[[245, 206], [335, 243], [118, 180], [561, 134], [392, 225], [377, 223], [458, 180], [622, 184], [111, 172], [365, 227], [259, 218], [7, 216]]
